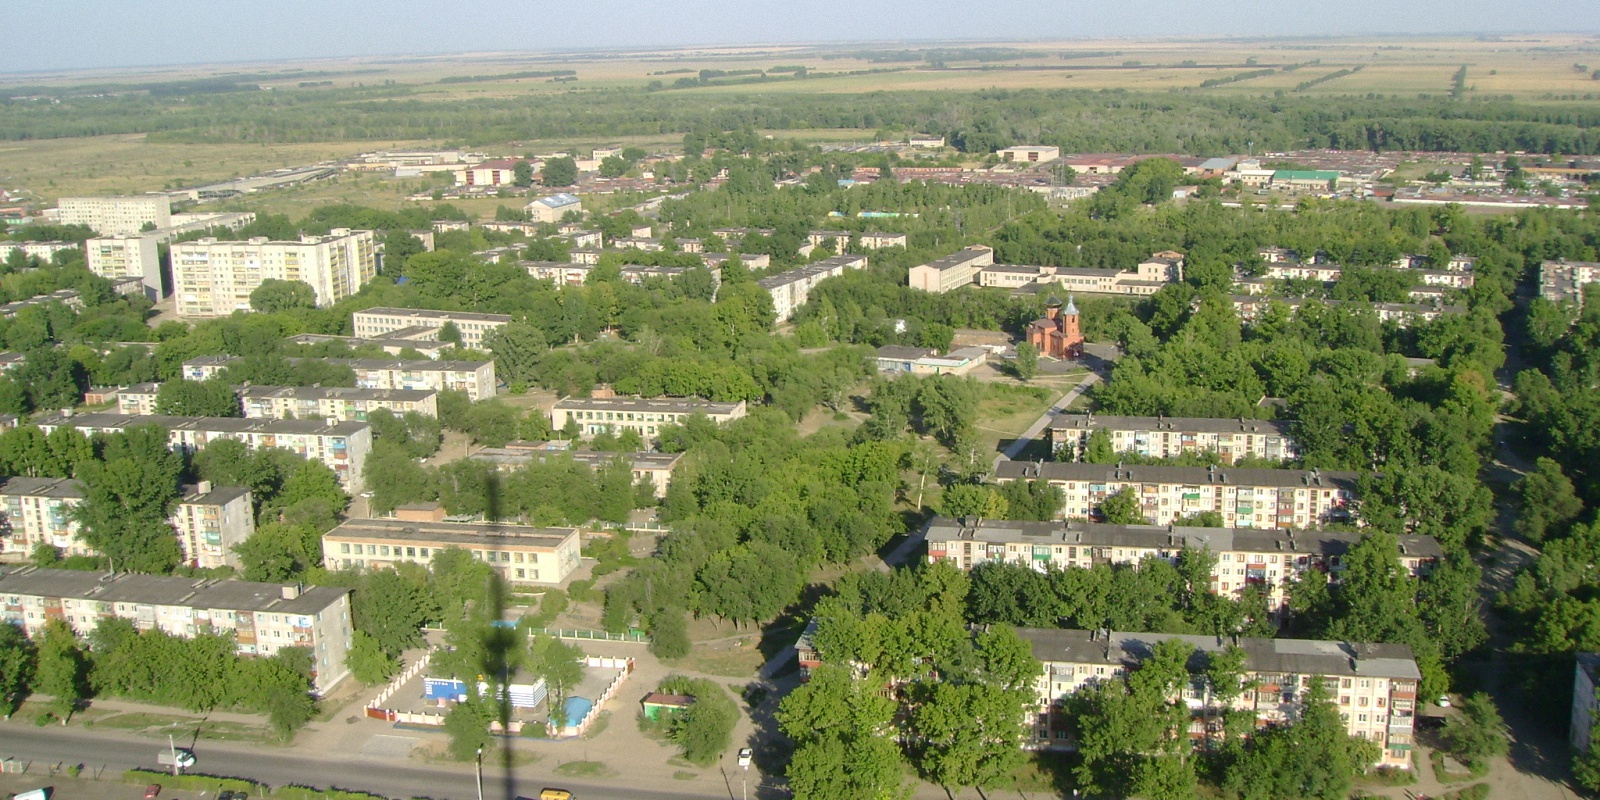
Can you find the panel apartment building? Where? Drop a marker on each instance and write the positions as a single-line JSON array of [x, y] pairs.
[[791, 289], [109, 216], [475, 378], [646, 417], [1246, 498], [1268, 558], [377, 323], [212, 278], [207, 520], [263, 617], [1563, 281], [522, 555], [646, 466], [1374, 686], [126, 256], [339, 403], [342, 446], [1166, 437]]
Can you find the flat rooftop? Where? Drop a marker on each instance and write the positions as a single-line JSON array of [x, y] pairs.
[[424, 313], [109, 421], [1092, 422], [1095, 534], [467, 534], [336, 393], [199, 593], [1232, 476], [1282, 656], [681, 405]]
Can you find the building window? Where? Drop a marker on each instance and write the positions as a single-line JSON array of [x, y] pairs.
[[344, 547]]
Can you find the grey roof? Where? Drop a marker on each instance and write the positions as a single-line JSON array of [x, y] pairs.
[[336, 393], [20, 486], [411, 365], [470, 534], [810, 270], [217, 496], [1281, 656], [901, 352], [1095, 534], [958, 258], [1235, 476], [166, 590], [426, 313], [589, 458], [208, 424], [1093, 422], [673, 405]]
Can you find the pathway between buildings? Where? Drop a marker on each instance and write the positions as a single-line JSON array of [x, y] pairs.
[[1043, 421]]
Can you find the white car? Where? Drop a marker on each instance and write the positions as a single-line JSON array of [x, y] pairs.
[[744, 757], [1444, 701]]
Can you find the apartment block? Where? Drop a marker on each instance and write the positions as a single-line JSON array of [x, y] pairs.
[[791, 289], [1246, 498], [1250, 307], [213, 278], [878, 241], [953, 271], [342, 446], [553, 207], [1374, 686], [109, 216], [263, 617], [126, 256], [1563, 281], [1585, 700], [334, 402], [379, 322], [839, 239], [45, 252], [476, 378], [521, 554], [1167, 437], [646, 466], [646, 417], [1266, 558], [210, 521]]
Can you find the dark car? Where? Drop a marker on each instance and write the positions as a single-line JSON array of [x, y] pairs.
[[152, 791]]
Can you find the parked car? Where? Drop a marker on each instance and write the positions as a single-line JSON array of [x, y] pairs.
[[152, 791], [744, 757], [555, 794], [225, 796]]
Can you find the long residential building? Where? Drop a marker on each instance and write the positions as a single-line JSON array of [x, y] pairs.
[[595, 415], [263, 617], [953, 271], [475, 378], [375, 323], [342, 446], [1249, 308], [338, 403], [1246, 498], [207, 520], [1268, 558], [126, 256], [791, 289], [213, 278], [1374, 686], [656, 468], [45, 252], [1563, 281], [521, 554], [109, 216], [1166, 437]]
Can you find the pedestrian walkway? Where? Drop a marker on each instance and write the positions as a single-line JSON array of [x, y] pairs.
[[1043, 421]]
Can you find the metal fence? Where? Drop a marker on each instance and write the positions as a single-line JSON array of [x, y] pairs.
[[635, 636]]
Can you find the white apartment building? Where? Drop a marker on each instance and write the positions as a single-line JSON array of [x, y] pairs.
[[791, 289], [1269, 559], [476, 378], [375, 323], [646, 466], [878, 241], [1246, 498], [207, 521], [263, 617], [1146, 278], [109, 216], [953, 271], [1374, 686], [1166, 437], [1563, 281], [522, 555], [553, 207], [212, 278], [126, 256], [599, 414], [1249, 308], [342, 446], [341, 403], [45, 252]]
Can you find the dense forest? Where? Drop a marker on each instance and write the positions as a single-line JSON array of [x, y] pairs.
[[975, 122]]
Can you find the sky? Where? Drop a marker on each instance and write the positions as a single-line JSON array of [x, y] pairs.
[[82, 34]]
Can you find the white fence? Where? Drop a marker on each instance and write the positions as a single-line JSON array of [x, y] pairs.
[[582, 726], [376, 710]]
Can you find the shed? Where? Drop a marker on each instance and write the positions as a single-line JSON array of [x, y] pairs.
[[658, 706]]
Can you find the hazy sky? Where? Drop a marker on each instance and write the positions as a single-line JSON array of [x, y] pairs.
[[67, 34]]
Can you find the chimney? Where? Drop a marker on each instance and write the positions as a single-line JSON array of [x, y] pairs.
[[290, 591], [204, 487]]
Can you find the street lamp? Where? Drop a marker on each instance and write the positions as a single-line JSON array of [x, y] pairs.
[[480, 773], [174, 748]]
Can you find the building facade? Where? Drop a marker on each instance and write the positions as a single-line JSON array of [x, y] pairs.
[[953, 271], [554, 207], [263, 617], [333, 402], [595, 415], [1373, 686], [376, 323], [654, 468], [1168, 437], [1269, 559], [791, 289], [342, 446], [212, 278], [1563, 281], [210, 521], [126, 256], [1029, 153], [521, 554], [109, 216], [894, 359], [1246, 498], [1056, 334], [475, 378]]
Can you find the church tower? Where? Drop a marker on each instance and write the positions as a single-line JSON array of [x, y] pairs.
[[1071, 336]]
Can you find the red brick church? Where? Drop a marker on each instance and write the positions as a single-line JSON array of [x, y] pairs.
[[1056, 334]]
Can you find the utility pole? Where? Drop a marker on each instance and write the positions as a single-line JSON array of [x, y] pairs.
[[480, 773], [174, 749]]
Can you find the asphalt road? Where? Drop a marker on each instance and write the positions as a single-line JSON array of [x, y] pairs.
[[387, 777]]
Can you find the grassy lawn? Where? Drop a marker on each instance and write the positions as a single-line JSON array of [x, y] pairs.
[[741, 662], [585, 769]]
